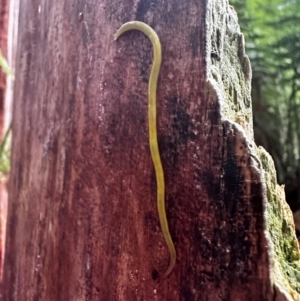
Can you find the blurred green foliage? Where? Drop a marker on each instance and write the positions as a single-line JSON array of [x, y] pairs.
[[4, 66], [5, 148], [272, 36], [5, 143]]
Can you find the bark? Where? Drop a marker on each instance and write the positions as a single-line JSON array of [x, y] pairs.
[[82, 217], [3, 216]]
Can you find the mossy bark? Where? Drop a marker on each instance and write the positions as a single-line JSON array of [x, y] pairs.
[[83, 222]]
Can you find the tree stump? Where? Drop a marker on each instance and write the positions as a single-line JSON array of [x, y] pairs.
[[82, 217]]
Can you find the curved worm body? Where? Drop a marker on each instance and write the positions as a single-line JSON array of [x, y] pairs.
[[151, 34]]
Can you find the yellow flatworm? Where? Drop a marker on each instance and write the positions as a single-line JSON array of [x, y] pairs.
[[151, 34]]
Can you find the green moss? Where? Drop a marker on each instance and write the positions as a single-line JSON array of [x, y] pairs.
[[283, 244]]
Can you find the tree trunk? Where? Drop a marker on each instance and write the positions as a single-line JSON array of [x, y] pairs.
[[82, 217]]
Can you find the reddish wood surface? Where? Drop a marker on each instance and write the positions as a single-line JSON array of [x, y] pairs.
[[3, 216], [83, 222]]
